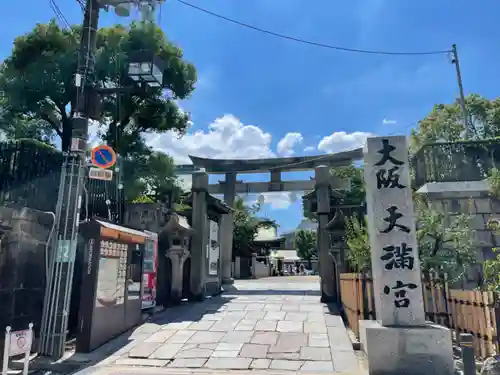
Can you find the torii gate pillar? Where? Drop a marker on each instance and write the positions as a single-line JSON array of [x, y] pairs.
[[327, 267], [227, 227]]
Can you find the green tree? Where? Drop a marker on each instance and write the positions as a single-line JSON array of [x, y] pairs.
[[246, 226], [305, 242], [491, 267], [358, 244], [37, 81], [444, 243], [491, 272], [445, 122], [354, 196], [154, 178]]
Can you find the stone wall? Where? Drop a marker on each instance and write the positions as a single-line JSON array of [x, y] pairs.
[[146, 216], [482, 209], [24, 234]]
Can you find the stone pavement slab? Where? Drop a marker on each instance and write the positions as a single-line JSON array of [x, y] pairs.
[[196, 369], [229, 363], [187, 362], [258, 325]]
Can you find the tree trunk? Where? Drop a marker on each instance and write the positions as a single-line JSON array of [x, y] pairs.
[[309, 264]]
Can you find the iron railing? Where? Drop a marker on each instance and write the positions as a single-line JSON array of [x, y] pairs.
[[455, 161], [30, 174]]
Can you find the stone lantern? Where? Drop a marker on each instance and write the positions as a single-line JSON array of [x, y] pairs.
[[178, 232]]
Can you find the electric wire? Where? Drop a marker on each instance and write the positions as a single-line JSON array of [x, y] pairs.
[[59, 14], [82, 4], [310, 42]]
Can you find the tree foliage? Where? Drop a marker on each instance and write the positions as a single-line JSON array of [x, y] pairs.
[[246, 226], [358, 244], [444, 243], [37, 83], [491, 272], [37, 80], [491, 267], [445, 122], [305, 242], [153, 178], [354, 196]]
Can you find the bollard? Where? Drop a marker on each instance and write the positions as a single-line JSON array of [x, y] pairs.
[[468, 358]]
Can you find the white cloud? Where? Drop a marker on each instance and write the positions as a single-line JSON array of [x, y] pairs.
[[226, 138], [277, 201], [310, 149], [342, 141], [286, 146], [386, 121]]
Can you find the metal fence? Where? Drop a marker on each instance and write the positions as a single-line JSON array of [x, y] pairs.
[[30, 174], [455, 161]]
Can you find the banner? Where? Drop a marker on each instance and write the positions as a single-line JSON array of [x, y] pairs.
[[213, 249], [150, 269]]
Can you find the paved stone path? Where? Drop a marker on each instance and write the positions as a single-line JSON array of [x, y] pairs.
[[262, 325]]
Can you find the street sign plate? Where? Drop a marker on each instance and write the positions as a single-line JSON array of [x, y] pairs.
[[100, 174], [103, 156], [20, 342]]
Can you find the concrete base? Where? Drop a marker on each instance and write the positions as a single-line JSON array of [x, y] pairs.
[[407, 350]]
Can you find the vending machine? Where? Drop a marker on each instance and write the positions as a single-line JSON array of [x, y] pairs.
[[149, 276]]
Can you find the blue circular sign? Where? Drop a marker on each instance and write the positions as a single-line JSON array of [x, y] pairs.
[[103, 156]]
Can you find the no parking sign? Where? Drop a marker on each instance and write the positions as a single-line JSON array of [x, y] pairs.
[[17, 342]]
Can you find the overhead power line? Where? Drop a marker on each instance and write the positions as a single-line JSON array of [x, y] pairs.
[[309, 42], [59, 14]]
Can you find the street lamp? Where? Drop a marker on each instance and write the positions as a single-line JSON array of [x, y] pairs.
[[122, 7], [146, 69]]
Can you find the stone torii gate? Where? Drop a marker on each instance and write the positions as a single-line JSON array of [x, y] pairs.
[[321, 184]]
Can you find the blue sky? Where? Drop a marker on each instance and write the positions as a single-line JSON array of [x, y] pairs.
[[260, 87]]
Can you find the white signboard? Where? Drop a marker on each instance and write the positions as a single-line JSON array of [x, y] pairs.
[[17, 342], [391, 227], [213, 248], [100, 174]]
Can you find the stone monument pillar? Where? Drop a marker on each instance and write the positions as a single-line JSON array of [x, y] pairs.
[[400, 342], [226, 230], [200, 237], [326, 265]]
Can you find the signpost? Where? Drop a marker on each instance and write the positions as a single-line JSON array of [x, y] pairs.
[[103, 156], [100, 174], [17, 342], [409, 345]]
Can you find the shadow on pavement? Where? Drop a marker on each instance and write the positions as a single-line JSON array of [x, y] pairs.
[[75, 362]]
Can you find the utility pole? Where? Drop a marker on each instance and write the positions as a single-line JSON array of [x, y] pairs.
[[72, 182], [61, 259], [468, 124]]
